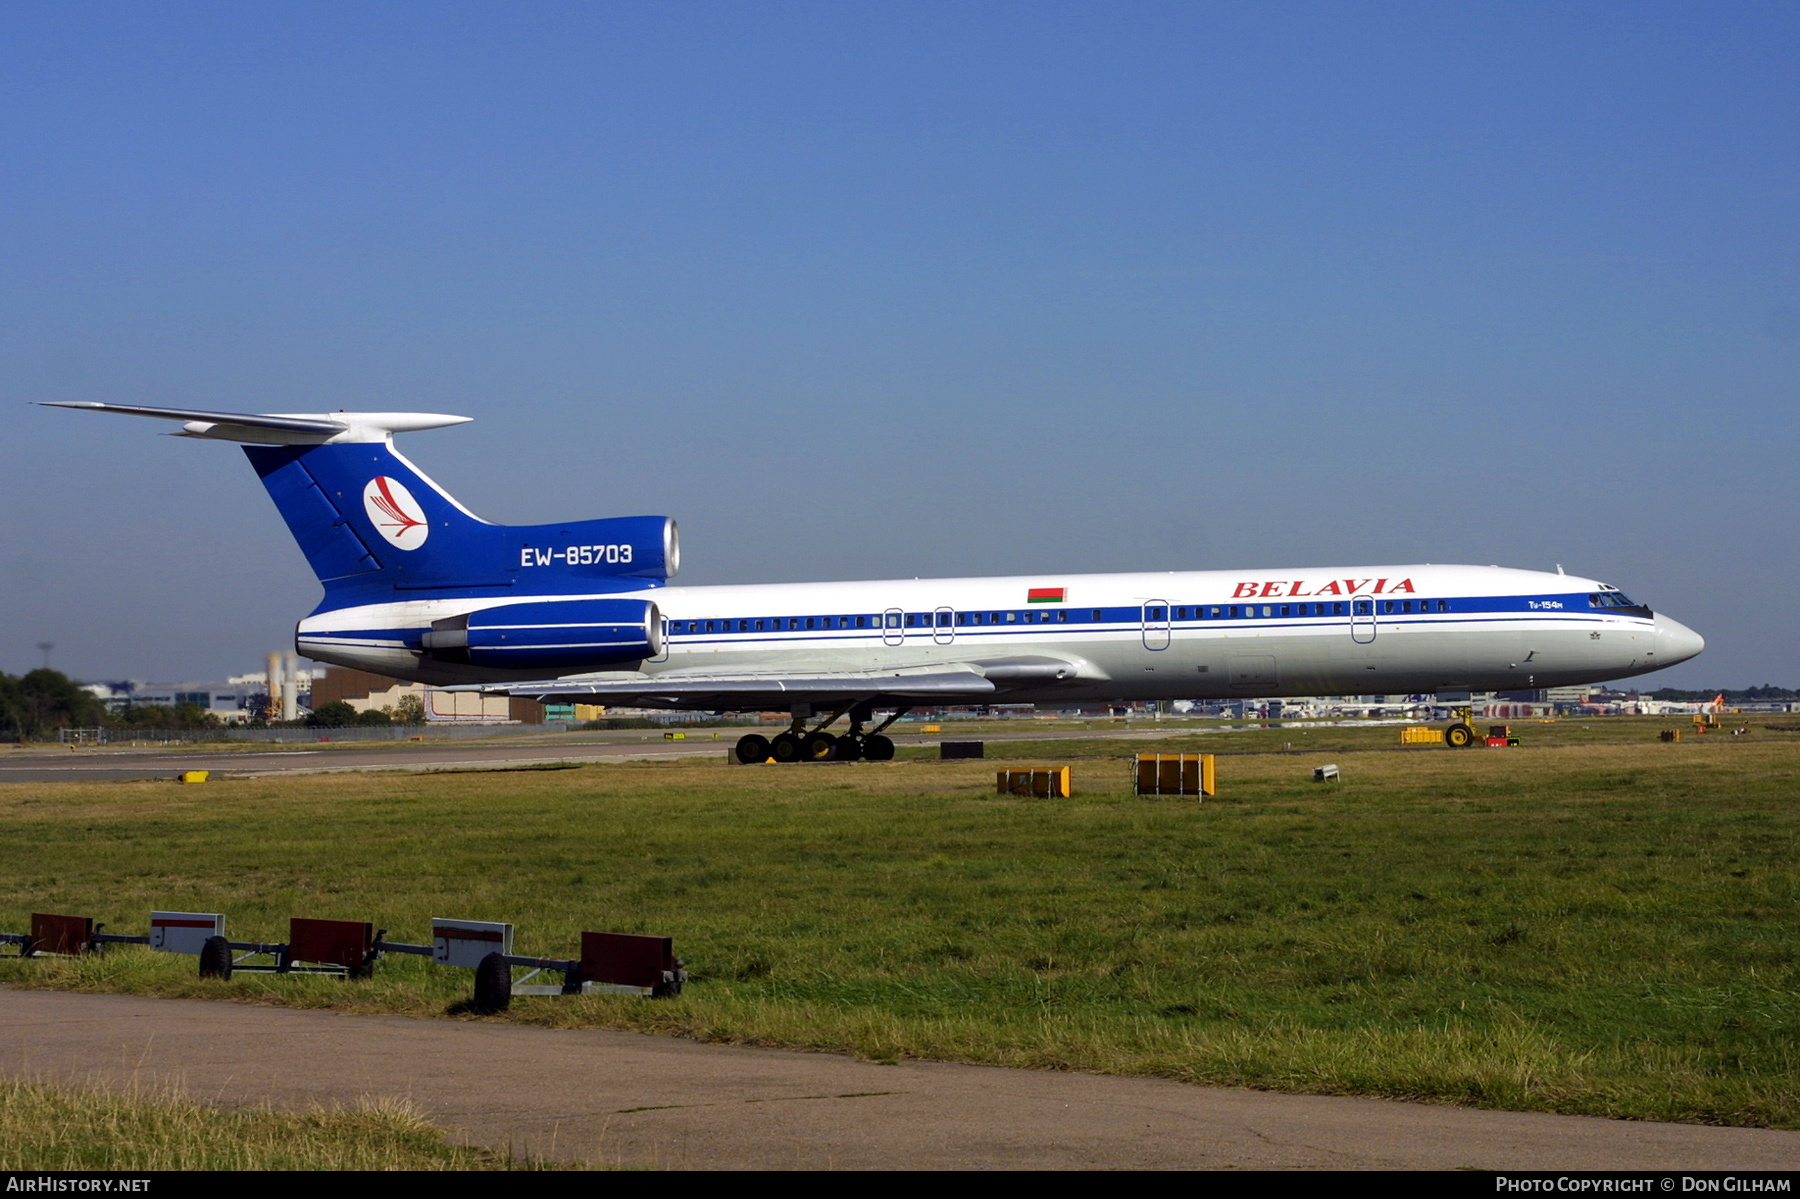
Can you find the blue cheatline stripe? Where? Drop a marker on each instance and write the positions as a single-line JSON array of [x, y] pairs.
[[1467, 610], [1329, 624]]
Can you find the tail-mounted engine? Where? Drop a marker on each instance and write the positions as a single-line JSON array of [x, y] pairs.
[[556, 635]]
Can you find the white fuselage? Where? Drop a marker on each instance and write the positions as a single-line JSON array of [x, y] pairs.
[[1177, 635]]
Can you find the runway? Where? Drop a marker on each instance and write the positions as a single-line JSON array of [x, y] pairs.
[[630, 1099], [99, 765], [102, 764]]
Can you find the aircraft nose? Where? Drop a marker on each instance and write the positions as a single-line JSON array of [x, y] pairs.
[[1675, 642]]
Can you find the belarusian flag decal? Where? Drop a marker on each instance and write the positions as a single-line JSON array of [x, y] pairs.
[[1047, 595]]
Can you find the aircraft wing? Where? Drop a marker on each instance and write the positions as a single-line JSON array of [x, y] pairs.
[[749, 689], [948, 682]]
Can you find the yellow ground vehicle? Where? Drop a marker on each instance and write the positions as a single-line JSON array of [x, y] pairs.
[[1461, 734]]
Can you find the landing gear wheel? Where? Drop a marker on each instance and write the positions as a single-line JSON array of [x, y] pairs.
[[493, 986], [752, 748], [819, 746], [215, 958], [1459, 736], [849, 749], [878, 748], [785, 748]]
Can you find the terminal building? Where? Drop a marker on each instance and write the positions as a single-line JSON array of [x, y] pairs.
[[238, 699], [368, 692]]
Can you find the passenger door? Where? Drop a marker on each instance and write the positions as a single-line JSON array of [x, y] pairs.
[[1156, 624], [1362, 621]]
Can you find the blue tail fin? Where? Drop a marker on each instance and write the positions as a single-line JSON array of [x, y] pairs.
[[375, 529]]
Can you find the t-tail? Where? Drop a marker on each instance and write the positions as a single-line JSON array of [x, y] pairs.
[[376, 529]]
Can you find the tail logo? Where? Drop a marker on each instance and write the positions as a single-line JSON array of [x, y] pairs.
[[395, 514]]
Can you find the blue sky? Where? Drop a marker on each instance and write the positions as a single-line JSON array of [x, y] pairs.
[[895, 290]]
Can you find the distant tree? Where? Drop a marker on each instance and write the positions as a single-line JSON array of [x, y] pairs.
[[45, 700], [145, 716], [410, 710], [372, 717], [335, 715], [12, 709], [193, 716]]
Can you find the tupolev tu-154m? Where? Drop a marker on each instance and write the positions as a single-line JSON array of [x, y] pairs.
[[418, 587]]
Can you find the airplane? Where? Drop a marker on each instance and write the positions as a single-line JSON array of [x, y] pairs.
[[417, 587]]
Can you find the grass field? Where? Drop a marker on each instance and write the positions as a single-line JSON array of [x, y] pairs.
[[46, 1127], [1593, 923]]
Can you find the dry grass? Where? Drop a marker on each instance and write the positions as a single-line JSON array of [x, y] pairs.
[[54, 1128]]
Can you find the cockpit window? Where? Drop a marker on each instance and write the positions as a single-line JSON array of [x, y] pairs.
[[1610, 599]]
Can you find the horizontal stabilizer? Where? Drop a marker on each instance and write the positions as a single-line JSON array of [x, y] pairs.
[[281, 428]]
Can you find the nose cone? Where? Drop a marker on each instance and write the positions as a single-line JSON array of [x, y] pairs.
[[1675, 642]]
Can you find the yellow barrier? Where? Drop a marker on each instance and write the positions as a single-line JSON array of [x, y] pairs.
[[195, 776], [1418, 734], [931, 728], [674, 736], [1176, 774], [1670, 734], [1050, 783]]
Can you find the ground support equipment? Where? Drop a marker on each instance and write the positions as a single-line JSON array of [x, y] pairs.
[[610, 963], [1175, 774], [1052, 782], [65, 936]]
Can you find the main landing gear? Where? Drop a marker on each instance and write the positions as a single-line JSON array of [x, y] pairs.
[[799, 744]]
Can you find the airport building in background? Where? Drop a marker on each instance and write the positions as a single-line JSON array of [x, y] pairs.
[[246, 697], [368, 692], [240, 698]]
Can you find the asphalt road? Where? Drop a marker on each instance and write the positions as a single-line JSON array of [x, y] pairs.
[[630, 1099]]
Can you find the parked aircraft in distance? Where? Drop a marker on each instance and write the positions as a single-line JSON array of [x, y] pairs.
[[417, 587]]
